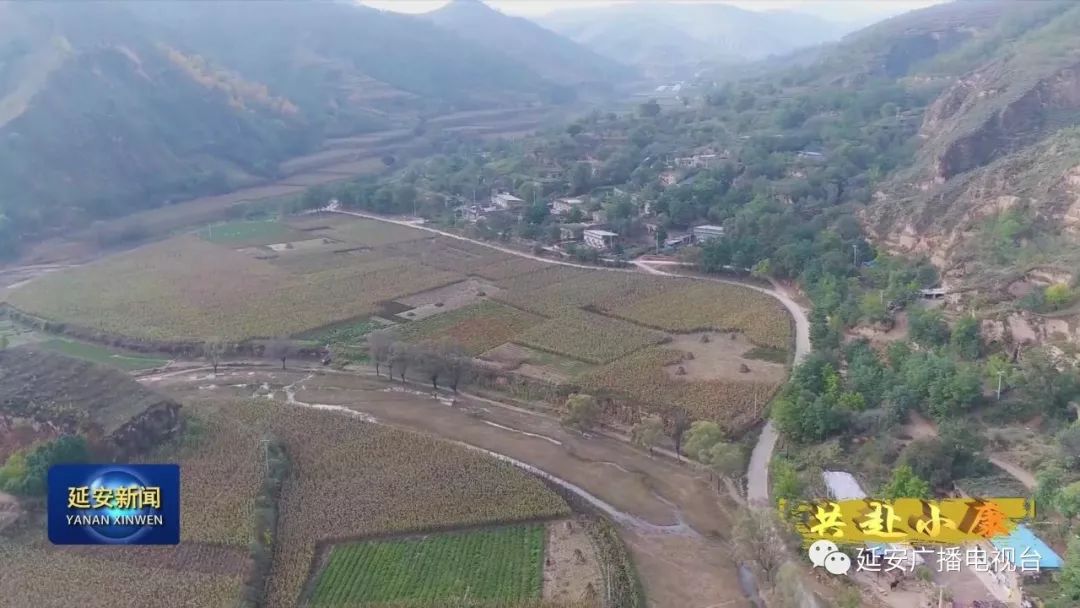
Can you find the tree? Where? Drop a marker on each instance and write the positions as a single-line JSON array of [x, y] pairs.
[[582, 412], [647, 432], [786, 484], [279, 349], [401, 355], [703, 435], [1048, 482], [649, 109], [380, 344], [214, 349], [1069, 444], [726, 460], [456, 364], [430, 360], [905, 484], [1067, 501], [1069, 578], [928, 327], [966, 340], [680, 423], [1057, 296], [574, 129], [25, 473]]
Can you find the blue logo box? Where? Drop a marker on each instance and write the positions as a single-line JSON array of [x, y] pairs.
[[110, 504]]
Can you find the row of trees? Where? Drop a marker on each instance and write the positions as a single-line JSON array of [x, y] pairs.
[[25, 472], [436, 361]]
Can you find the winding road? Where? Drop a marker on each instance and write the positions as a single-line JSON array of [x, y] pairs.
[[757, 475]]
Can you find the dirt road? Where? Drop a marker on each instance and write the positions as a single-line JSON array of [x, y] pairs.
[[758, 472], [672, 518]]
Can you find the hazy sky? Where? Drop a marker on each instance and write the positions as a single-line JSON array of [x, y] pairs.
[[839, 10]]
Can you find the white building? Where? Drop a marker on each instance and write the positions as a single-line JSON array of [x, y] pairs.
[[707, 233], [599, 239], [504, 200]]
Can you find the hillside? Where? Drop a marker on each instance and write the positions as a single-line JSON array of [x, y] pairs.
[[548, 54], [992, 190], [676, 39], [114, 107]]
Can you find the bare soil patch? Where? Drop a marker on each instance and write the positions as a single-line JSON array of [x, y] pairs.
[[444, 299], [535, 363], [720, 356], [571, 567]]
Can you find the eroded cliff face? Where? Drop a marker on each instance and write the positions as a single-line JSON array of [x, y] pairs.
[[980, 119], [999, 151]]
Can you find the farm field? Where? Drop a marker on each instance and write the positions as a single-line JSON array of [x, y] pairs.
[[258, 232], [101, 354], [36, 573], [589, 337], [590, 329], [411, 483], [701, 306], [500, 564]]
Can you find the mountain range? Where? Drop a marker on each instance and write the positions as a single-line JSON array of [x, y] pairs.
[[675, 39]]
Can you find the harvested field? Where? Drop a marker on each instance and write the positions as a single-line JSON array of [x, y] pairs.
[[571, 570], [445, 299], [477, 328], [536, 364], [721, 357], [359, 231], [642, 377], [490, 565], [589, 337], [699, 306]]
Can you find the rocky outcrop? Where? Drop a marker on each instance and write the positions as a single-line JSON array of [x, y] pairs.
[[980, 118]]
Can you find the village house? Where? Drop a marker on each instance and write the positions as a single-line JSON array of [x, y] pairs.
[[707, 232], [599, 239], [563, 206], [505, 200]]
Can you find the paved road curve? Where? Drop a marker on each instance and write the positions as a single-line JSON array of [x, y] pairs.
[[758, 473]]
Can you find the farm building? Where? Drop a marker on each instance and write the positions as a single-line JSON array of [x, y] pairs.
[[71, 396], [571, 232], [599, 239], [504, 200], [707, 233], [563, 206]]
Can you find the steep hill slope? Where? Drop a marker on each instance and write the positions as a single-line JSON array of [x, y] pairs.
[[112, 107], [993, 189], [548, 54], [668, 38]]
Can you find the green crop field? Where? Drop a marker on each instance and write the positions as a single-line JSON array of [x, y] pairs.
[[259, 232], [101, 354], [503, 564]]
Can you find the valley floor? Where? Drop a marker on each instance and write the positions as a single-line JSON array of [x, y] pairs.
[[672, 519]]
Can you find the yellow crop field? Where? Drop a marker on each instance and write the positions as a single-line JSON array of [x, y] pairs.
[[186, 288], [700, 305], [589, 337], [642, 377], [476, 328]]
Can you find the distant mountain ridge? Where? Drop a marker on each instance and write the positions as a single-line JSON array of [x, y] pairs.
[[548, 54], [673, 38], [111, 107]]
